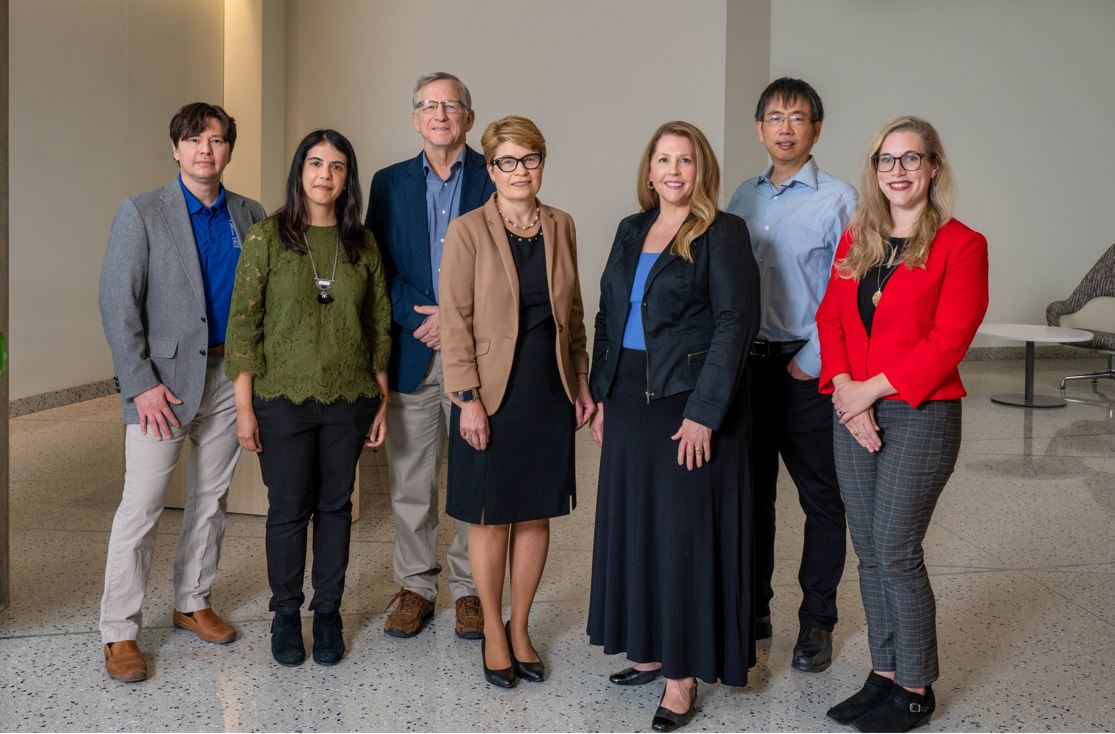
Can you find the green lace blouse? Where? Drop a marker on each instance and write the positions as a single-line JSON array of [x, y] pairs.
[[292, 345]]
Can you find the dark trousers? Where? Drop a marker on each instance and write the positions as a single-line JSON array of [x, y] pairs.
[[890, 496], [309, 457], [790, 418]]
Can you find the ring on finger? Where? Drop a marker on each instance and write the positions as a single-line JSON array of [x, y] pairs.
[[855, 433]]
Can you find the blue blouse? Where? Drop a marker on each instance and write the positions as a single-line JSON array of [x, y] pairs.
[[633, 337]]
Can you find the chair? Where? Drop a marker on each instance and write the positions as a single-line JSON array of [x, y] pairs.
[[1091, 306]]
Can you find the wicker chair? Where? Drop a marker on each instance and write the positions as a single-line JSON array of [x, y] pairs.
[[1091, 306]]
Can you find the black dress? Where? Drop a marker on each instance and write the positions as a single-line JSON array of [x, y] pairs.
[[527, 471]]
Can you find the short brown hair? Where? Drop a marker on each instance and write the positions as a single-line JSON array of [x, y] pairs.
[[512, 129], [192, 119]]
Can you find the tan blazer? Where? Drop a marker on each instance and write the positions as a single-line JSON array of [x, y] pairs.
[[479, 303]]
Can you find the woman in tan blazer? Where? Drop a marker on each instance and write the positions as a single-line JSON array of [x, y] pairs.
[[516, 369]]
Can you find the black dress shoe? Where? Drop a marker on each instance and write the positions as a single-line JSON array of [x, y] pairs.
[[763, 628], [902, 711], [534, 672], [504, 677], [286, 638], [329, 643], [874, 692], [813, 651], [633, 677], [667, 720]]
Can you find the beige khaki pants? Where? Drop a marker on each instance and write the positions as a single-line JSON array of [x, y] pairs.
[[148, 467], [417, 423]]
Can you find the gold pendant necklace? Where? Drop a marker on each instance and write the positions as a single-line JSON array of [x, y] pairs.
[[880, 281]]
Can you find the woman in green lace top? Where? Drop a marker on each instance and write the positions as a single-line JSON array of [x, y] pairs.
[[307, 347]]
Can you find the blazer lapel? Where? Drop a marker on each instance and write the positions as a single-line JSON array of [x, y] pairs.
[[474, 175], [181, 233], [499, 239], [633, 246], [549, 242], [238, 210], [414, 193]]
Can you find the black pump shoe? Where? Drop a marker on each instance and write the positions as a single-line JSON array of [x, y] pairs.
[[533, 672], [504, 677], [329, 644], [902, 711], [634, 677], [667, 720], [874, 692], [286, 638]]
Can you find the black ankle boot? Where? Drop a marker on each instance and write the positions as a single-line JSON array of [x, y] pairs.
[[286, 638], [874, 692], [902, 711], [329, 643]]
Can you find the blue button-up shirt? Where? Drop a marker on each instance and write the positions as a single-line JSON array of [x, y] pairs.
[[218, 252], [794, 231], [443, 204]]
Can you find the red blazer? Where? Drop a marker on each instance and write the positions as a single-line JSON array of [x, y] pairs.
[[923, 324]]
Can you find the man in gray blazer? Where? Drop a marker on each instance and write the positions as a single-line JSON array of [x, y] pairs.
[[165, 290]]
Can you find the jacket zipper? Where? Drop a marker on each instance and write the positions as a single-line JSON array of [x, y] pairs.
[[643, 307]]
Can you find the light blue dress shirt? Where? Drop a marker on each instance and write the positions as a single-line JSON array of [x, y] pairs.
[[794, 231], [443, 203]]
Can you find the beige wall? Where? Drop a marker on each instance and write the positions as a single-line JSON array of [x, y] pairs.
[[1022, 95]]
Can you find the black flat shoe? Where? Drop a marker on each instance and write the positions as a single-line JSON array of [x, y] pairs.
[[902, 711], [667, 720], [533, 672], [874, 692], [504, 677], [633, 677], [329, 644], [286, 638], [813, 651]]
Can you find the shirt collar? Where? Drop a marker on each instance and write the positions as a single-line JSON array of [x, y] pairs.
[[452, 169], [806, 175], [194, 205]]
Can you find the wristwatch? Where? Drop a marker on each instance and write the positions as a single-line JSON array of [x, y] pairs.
[[467, 396]]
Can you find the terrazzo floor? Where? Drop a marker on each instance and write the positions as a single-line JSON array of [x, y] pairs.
[[1021, 553]]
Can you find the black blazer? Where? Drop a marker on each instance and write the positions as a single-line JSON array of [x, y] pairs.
[[699, 317]]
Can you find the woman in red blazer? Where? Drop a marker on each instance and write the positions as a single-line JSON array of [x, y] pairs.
[[908, 290]]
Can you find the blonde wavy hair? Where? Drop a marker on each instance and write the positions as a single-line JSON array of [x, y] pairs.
[[872, 224], [706, 189]]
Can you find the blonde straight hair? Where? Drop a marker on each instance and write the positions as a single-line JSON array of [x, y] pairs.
[[872, 224], [706, 189]]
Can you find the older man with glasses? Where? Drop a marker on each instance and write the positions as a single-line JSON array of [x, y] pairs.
[[409, 210]]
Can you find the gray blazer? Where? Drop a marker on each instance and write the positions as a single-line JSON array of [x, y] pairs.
[[153, 300]]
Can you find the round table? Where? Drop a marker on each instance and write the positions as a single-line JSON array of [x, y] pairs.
[[1031, 333]]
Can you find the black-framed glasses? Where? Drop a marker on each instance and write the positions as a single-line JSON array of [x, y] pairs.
[[509, 163], [796, 120], [910, 161], [429, 106]]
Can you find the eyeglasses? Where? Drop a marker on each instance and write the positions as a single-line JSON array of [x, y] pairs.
[[429, 106], [910, 161], [796, 120], [509, 163]]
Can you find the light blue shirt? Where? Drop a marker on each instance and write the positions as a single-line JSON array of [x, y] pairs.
[[633, 336], [794, 231], [443, 203]]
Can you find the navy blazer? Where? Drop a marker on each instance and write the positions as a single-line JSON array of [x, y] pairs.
[[398, 219]]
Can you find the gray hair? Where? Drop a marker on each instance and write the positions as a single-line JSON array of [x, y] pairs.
[[437, 76]]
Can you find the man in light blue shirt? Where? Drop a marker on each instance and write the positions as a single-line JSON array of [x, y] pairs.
[[795, 213]]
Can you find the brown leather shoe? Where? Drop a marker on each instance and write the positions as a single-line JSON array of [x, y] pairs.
[[470, 618], [410, 615], [207, 625], [124, 661]]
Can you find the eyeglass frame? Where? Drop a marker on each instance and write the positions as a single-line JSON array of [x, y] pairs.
[[462, 108], [786, 118], [541, 160], [898, 160]]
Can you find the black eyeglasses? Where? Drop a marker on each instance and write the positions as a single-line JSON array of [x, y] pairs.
[[910, 161], [509, 163]]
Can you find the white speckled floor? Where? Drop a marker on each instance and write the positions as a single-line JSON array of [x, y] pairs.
[[1021, 554]]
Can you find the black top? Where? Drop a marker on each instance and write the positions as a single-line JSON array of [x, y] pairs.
[[876, 280], [529, 254]]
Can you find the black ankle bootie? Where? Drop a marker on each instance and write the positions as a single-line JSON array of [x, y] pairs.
[[329, 643], [874, 692], [902, 711], [286, 638]]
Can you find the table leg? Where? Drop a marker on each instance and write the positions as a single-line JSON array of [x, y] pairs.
[[1028, 399]]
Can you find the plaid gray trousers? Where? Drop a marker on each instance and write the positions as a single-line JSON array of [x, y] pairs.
[[889, 497]]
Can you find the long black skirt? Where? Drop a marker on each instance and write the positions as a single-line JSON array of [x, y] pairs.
[[671, 562]]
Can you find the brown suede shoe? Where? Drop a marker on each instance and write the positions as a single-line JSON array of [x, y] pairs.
[[207, 625], [124, 661], [410, 615], [470, 618]]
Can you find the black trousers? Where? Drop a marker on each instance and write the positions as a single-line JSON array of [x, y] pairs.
[[793, 420], [309, 457]]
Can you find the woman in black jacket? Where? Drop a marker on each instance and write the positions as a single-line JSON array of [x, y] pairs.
[[679, 305]]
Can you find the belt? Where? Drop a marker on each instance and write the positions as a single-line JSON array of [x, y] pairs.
[[215, 354], [763, 348]]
